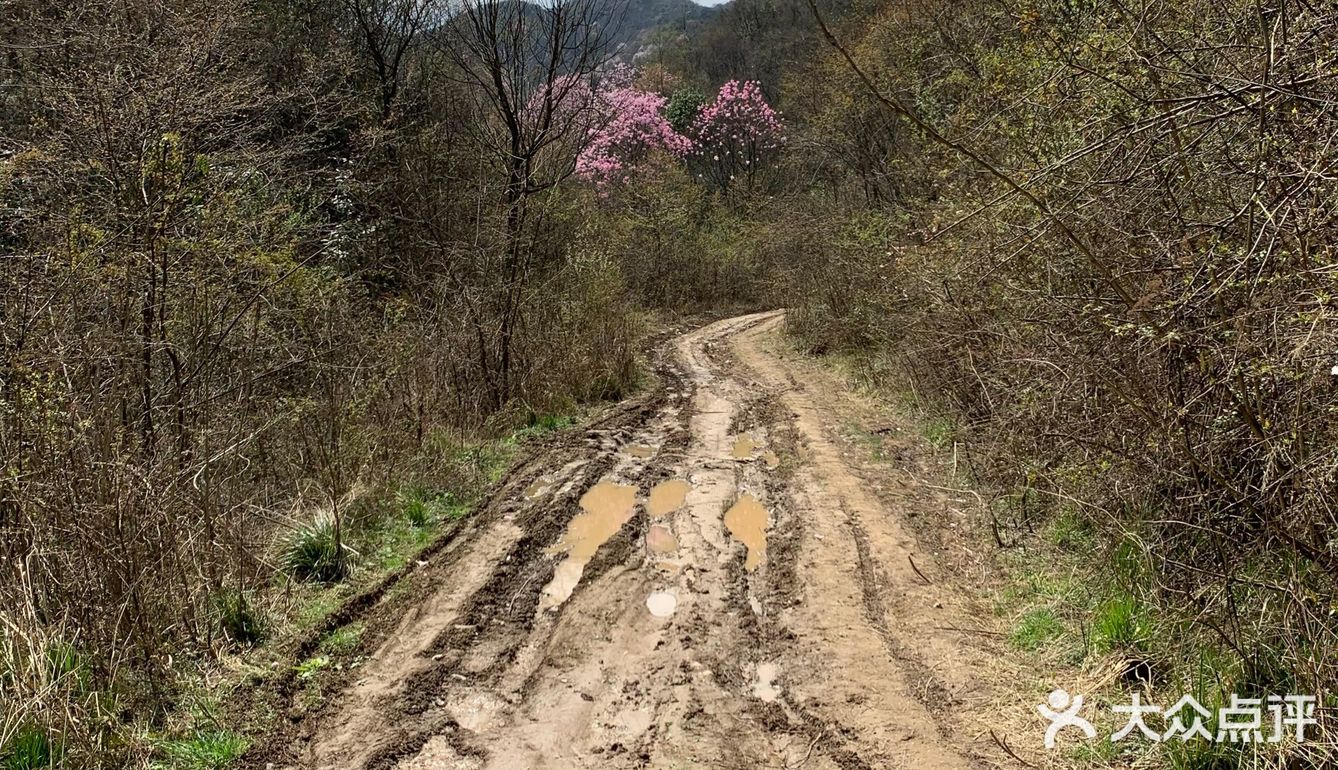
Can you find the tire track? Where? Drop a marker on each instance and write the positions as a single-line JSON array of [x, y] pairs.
[[776, 661]]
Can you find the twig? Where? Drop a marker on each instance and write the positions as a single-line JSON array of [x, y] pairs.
[[809, 753], [518, 592], [1003, 744], [961, 630], [928, 582]]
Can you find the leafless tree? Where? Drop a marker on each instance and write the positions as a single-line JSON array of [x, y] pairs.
[[530, 68], [387, 30]]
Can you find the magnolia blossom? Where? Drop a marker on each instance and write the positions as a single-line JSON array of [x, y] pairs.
[[632, 125], [737, 131], [739, 116]]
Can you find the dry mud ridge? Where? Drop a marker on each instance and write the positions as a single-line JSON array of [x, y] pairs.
[[699, 579]]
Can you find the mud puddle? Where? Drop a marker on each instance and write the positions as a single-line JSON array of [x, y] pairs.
[[662, 604], [667, 497], [743, 447], [660, 540], [765, 686], [606, 507], [746, 520]]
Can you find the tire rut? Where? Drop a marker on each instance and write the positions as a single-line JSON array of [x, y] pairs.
[[677, 647]]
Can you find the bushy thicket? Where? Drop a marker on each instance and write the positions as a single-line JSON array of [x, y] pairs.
[[1100, 236], [245, 273], [267, 265]]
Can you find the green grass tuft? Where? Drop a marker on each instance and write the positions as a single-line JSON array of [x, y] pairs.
[[423, 508], [548, 423], [66, 663], [416, 507], [29, 749], [940, 432], [1036, 628], [312, 667], [1201, 755], [214, 750], [238, 618], [1120, 624], [343, 640], [310, 552], [1071, 531]]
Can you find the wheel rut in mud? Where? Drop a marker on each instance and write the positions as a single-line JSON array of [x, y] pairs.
[[695, 580]]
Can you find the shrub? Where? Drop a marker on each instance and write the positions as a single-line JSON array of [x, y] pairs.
[[238, 618], [313, 552], [684, 105]]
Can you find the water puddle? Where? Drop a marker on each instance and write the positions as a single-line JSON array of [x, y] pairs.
[[766, 688], [661, 604], [537, 489], [667, 497], [743, 447], [606, 507], [660, 540], [746, 520], [639, 450]]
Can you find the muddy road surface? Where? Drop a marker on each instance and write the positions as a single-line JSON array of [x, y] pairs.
[[700, 578]]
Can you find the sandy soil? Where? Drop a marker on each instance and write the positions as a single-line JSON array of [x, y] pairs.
[[704, 578]]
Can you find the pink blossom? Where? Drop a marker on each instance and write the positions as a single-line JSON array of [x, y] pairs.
[[740, 127], [631, 127]]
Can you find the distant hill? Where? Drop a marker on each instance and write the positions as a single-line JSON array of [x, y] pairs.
[[641, 18], [636, 24]]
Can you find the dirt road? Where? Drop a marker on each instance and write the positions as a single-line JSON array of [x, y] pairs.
[[703, 578]]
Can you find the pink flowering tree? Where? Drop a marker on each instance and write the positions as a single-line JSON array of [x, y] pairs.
[[736, 135], [631, 126]]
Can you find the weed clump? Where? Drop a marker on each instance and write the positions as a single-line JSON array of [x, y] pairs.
[[238, 618], [213, 750], [30, 748], [314, 551]]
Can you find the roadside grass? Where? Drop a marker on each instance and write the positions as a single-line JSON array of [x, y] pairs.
[[193, 736], [875, 379], [383, 530], [867, 441], [30, 748], [313, 551], [311, 668], [1036, 628], [939, 431], [343, 640], [210, 750], [238, 617], [1079, 610], [1085, 606]]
